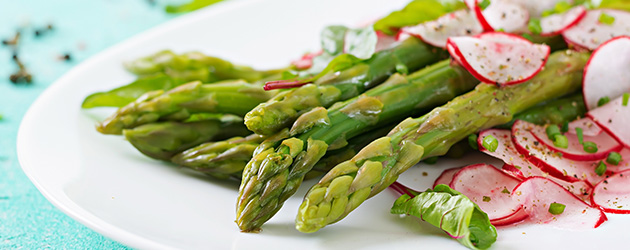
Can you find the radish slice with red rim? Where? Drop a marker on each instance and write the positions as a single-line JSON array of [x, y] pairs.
[[588, 126], [500, 58], [307, 60], [614, 118], [446, 177], [557, 23], [384, 41], [458, 23], [613, 194], [536, 194], [575, 150], [589, 32], [518, 166], [503, 15], [489, 188], [549, 161], [606, 74]]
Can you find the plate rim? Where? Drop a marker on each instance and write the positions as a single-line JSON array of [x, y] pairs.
[[67, 206]]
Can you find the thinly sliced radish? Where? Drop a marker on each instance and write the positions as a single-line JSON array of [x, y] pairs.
[[489, 187], [589, 32], [557, 23], [518, 216], [623, 165], [505, 150], [549, 161], [458, 23], [536, 8], [536, 195], [501, 58], [575, 150], [614, 118], [518, 166], [588, 126], [606, 74], [581, 189], [613, 194], [503, 15], [446, 177]]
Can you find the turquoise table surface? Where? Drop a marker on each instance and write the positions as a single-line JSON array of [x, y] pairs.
[[81, 29]]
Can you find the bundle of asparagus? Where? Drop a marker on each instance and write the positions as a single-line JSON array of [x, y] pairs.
[[338, 122]]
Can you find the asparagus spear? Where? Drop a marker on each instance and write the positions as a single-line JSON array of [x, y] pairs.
[[224, 158], [162, 140], [194, 66], [554, 112], [279, 112], [276, 172], [378, 165], [178, 104]]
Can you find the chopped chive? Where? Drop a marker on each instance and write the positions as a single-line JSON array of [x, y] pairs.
[[431, 160], [590, 147], [534, 26], [490, 143], [505, 191], [565, 127], [600, 169], [613, 158], [561, 141], [552, 131], [556, 208], [527, 36], [472, 141], [580, 135], [484, 4], [602, 101], [624, 101], [486, 199], [606, 19], [401, 68]]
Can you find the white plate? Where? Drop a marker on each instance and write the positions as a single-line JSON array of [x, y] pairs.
[[102, 182]]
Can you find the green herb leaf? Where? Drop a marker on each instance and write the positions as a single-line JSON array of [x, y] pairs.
[[600, 169], [602, 101], [452, 212], [484, 4], [624, 100], [614, 158], [332, 39], [534, 26], [416, 12], [606, 19], [614, 4], [361, 42], [565, 127], [472, 141], [190, 6], [556, 208]]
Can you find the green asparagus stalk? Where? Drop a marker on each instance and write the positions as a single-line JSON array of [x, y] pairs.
[[378, 165], [278, 169], [178, 104], [223, 158], [279, 112], [162, 140], [554, 112], [194, 66]]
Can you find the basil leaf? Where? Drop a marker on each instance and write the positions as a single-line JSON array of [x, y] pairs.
[[360, 43], [416, 12], [332, 39], [452, 212]]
